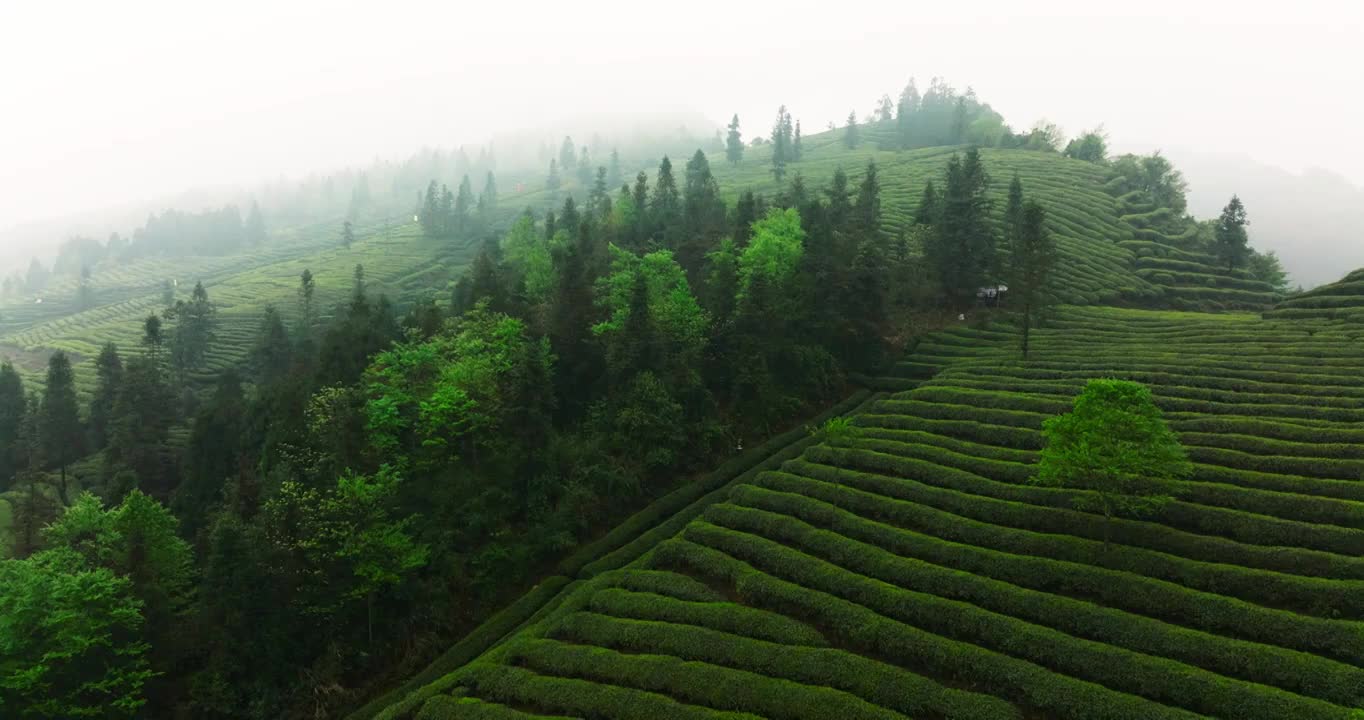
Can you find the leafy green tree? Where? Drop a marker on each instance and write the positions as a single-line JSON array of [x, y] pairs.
[[108, 379], [528, 253], [774, 252], [852, 137], [584, 167], [1033, 257], [598, 200], [70, 636], [885, 109], [734, 143], [1266, 268], [1091, 146], [429, 214], [62, 432], [1230, 242], [12, 410], [85, 293], [1115, 447]]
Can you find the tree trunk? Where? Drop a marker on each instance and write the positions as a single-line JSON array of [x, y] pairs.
[[61, 488], [1027, 326]]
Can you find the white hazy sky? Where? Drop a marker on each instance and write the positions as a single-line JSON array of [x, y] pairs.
[[106, 103]]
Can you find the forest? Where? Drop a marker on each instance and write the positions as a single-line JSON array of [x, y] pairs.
[[287, 536]]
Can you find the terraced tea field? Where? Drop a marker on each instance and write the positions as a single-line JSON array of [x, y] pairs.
[[401, 263], [1342, 301], [910, 571]]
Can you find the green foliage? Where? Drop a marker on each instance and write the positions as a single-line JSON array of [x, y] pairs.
[[773, 252], [1229, 235], [70, 639], [1115, 444]]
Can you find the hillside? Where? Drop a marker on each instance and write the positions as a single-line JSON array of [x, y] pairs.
[[1342, 300], [909, 571]]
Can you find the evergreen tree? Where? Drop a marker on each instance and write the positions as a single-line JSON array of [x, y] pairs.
[[60, 425], [195, 322], [489, 194], [902, 126], [1013, 214], [152, 337], [273, 354], [927, 212], [584, 168], [665, 208], [962, 246], [734, 144], [429, 215], [640, 233], [552, 182], [255, 225], [866, 210], [217, 442], [1033, 253], [347, 234], [840, 201], [167, 294], [613, 176], [463, 207], [568, 155], [745, 214], [795, 144], [12, 409], [307, 313], [851, 136], [143, 414], [885, 109], [108, 379], [1229, 235], [569, 219], [486, 281], [598, 201], [85, 293]]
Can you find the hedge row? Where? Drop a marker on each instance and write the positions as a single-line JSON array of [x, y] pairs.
[[1035, 687], [877, 682], [908, 559], [1161, 552], [660, 582], [1139, 580], [474, 644], [522, 687], [448, 707], [695, 682], [1159, 679], [626, 541], [1071, 387], [1210, 523], [1316, 467], [723, 616]]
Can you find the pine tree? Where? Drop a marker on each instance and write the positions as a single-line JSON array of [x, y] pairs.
[[795, 144], [552, 182], [734, 144], [195, 323], [902, 126], [63, 435], [1013, 214], [489, 196], [866, 210], [1033, 255], [665, 207], [584, 168], [1230, 241], [745, 214], [152, 337], [445, 212], [962, 245], [255, 225], [273, 354], [347, 234], [464, 205], [307, 314], [851, 136], [840, 201], [927, 212], [613, 176], [108, 379], [598, 201], [429, 214], [568, 155], [12, 409]]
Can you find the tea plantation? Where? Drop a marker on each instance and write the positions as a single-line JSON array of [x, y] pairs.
[[907, 569]]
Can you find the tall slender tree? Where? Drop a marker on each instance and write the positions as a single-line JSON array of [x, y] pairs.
[[1230, 241], [1033, 256], [12, 409], [852, 137], [734, 143], [63, 434], [108, 380]]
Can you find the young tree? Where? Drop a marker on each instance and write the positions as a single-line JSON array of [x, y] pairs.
[[1115, 446], [63, 435], [734, 144], [851, 136], [1033, 255], [347, 234], [1229, 235]]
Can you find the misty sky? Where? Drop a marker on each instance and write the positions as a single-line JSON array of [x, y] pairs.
[[112, 103]]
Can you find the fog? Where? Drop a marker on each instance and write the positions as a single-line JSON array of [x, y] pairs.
[[108, 105]]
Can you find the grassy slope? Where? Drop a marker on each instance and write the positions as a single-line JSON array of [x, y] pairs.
[[912, 572]]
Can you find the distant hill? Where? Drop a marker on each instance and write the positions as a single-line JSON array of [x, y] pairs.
[[1313, 220]]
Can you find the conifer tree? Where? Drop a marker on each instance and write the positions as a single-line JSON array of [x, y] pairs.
[[665, 207], [62, 433], [598, 201], [347, 234], [1229, 235], [584, 168], [489, 194], [12, 409], [108, 379], [795, 144], [851, 136], [745, 213], [464, 205], [195, 323], [927, 212], [568, 155], [885, 109], [734, 144], [552, 182], [273, 353], [867, 208], [307, 313], [1033, 256], [613, 176]]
